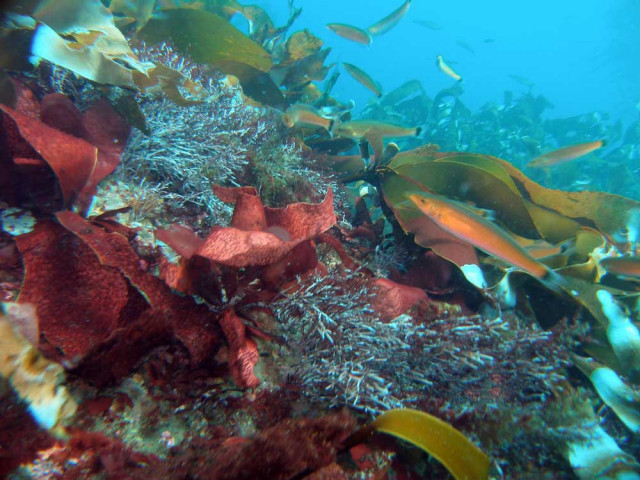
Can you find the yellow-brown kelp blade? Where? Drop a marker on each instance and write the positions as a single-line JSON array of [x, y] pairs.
[[139, 10], [300, 45], [523, 206], [604, 211], [405, 90], [209, 38], [224, 8], [466, 177], [449, 446], [171, 82], [89, 25], [35, 379], [82, 37]]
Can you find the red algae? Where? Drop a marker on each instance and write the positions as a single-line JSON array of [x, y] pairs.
[[80, 149], [97, 308], [393, 299], [67, 284], [20, 436], [288, 449], [243, 352], [90, 453], [249, 242], [242, 248], [230, 364], [72, 159]]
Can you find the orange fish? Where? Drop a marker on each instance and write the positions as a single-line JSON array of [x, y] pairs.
[[446, 69], [358, 129], [622, 266], [470, 227], [300, 115], [350, 32], [565, 154]]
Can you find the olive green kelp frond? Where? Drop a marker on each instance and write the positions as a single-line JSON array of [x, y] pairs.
[[206, 38], [519, 204], [589, 222], [211, 39]]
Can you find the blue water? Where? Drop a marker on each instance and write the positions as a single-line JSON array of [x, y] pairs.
[[583, 55]]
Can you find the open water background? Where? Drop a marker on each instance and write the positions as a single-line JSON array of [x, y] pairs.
[[583, 55]]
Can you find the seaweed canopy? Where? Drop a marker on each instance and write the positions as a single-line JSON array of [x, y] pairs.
[[86, 38], [576, 229]]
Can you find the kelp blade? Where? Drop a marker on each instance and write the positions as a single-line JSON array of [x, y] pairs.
[[462, 458], [211, 39], [206, 38], [523, 206], [479, 179]]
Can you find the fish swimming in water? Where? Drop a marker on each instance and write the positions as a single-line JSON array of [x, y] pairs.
[[521, 80], [374, 131], [363, 78], [336, 110], [390, 21], [428, 24], [300, 115], [359, 128], [628, 267], [483, 234], [446, 69], [565, 154], [350, 32], [465, 45]]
